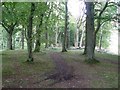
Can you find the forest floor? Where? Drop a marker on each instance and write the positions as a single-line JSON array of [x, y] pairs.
[[16, 73]]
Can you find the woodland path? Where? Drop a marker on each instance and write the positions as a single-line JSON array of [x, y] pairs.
[[70, 71]]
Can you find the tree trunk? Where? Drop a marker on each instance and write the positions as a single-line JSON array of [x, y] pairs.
[[100, 41], [38, 37], [65, 31], [68, 39], [90, 30], [56, 35], [47, 39], [14, 41], [9, 45], [22, 38], [29, 33], [85, 49], [9, 29], [76, 38], [81, 39], [38, 44]]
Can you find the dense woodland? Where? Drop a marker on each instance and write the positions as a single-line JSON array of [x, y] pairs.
[[38, 26]]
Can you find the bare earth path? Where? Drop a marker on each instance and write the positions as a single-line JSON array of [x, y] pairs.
[[66, 74]]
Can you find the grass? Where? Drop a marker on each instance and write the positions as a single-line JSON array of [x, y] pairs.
[[106, 56], [13, 63], [102, 75]]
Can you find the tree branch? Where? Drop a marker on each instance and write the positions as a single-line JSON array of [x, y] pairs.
[[6, 28], [99, 17]]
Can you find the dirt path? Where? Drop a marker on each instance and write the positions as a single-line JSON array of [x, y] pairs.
[[68, 77]]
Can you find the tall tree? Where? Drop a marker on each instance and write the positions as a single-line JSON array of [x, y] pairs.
[[9, 20], [38, 34], [22, 38], [29, 32], [65, 30], [99, 22], [46, 25], [90, 30]]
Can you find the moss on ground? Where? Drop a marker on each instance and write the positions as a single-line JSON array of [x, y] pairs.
[[91, 61]]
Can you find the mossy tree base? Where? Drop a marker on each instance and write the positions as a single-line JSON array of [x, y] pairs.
[[30, 60], [64, 50], [92, 61]]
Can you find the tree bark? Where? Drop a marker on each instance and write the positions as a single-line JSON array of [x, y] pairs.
[[90, 30], [29, 33], [68, 39], [56, 35], [82, 35], [37, 45], [9, 45], [38, 37], [9, 29], [47, 39], [22, 38], [14, 42], [65, 31], [100, 41], [85, 49]]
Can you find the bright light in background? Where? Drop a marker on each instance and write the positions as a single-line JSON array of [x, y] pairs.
[[75, 8], [113, 48]]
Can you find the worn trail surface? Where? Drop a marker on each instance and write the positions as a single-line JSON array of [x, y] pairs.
[[62, 70]]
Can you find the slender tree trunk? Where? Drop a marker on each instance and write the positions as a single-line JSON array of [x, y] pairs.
[[68, 39], [90, 30], [9, 29], [9, 45], [37, 43], [76, 38], [22, 38], [29, 33], [47, 39], [38, 37], [56, 35], [100, 41], [65, 31], [14, 42], [85, 49], [81, 39]]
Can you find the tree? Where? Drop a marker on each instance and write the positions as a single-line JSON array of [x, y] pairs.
[[65, 31], [46, 25], [90, 30], [22, 38], [9, 20], [39, 25], [99, 22], [29, 32], [102, 16]]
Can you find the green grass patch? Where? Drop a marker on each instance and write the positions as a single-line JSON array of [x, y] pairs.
[[107, 56], [106, 80], [13, 62], [92, 61]]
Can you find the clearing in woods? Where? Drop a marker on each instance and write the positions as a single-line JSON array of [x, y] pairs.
[[53, 69]]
